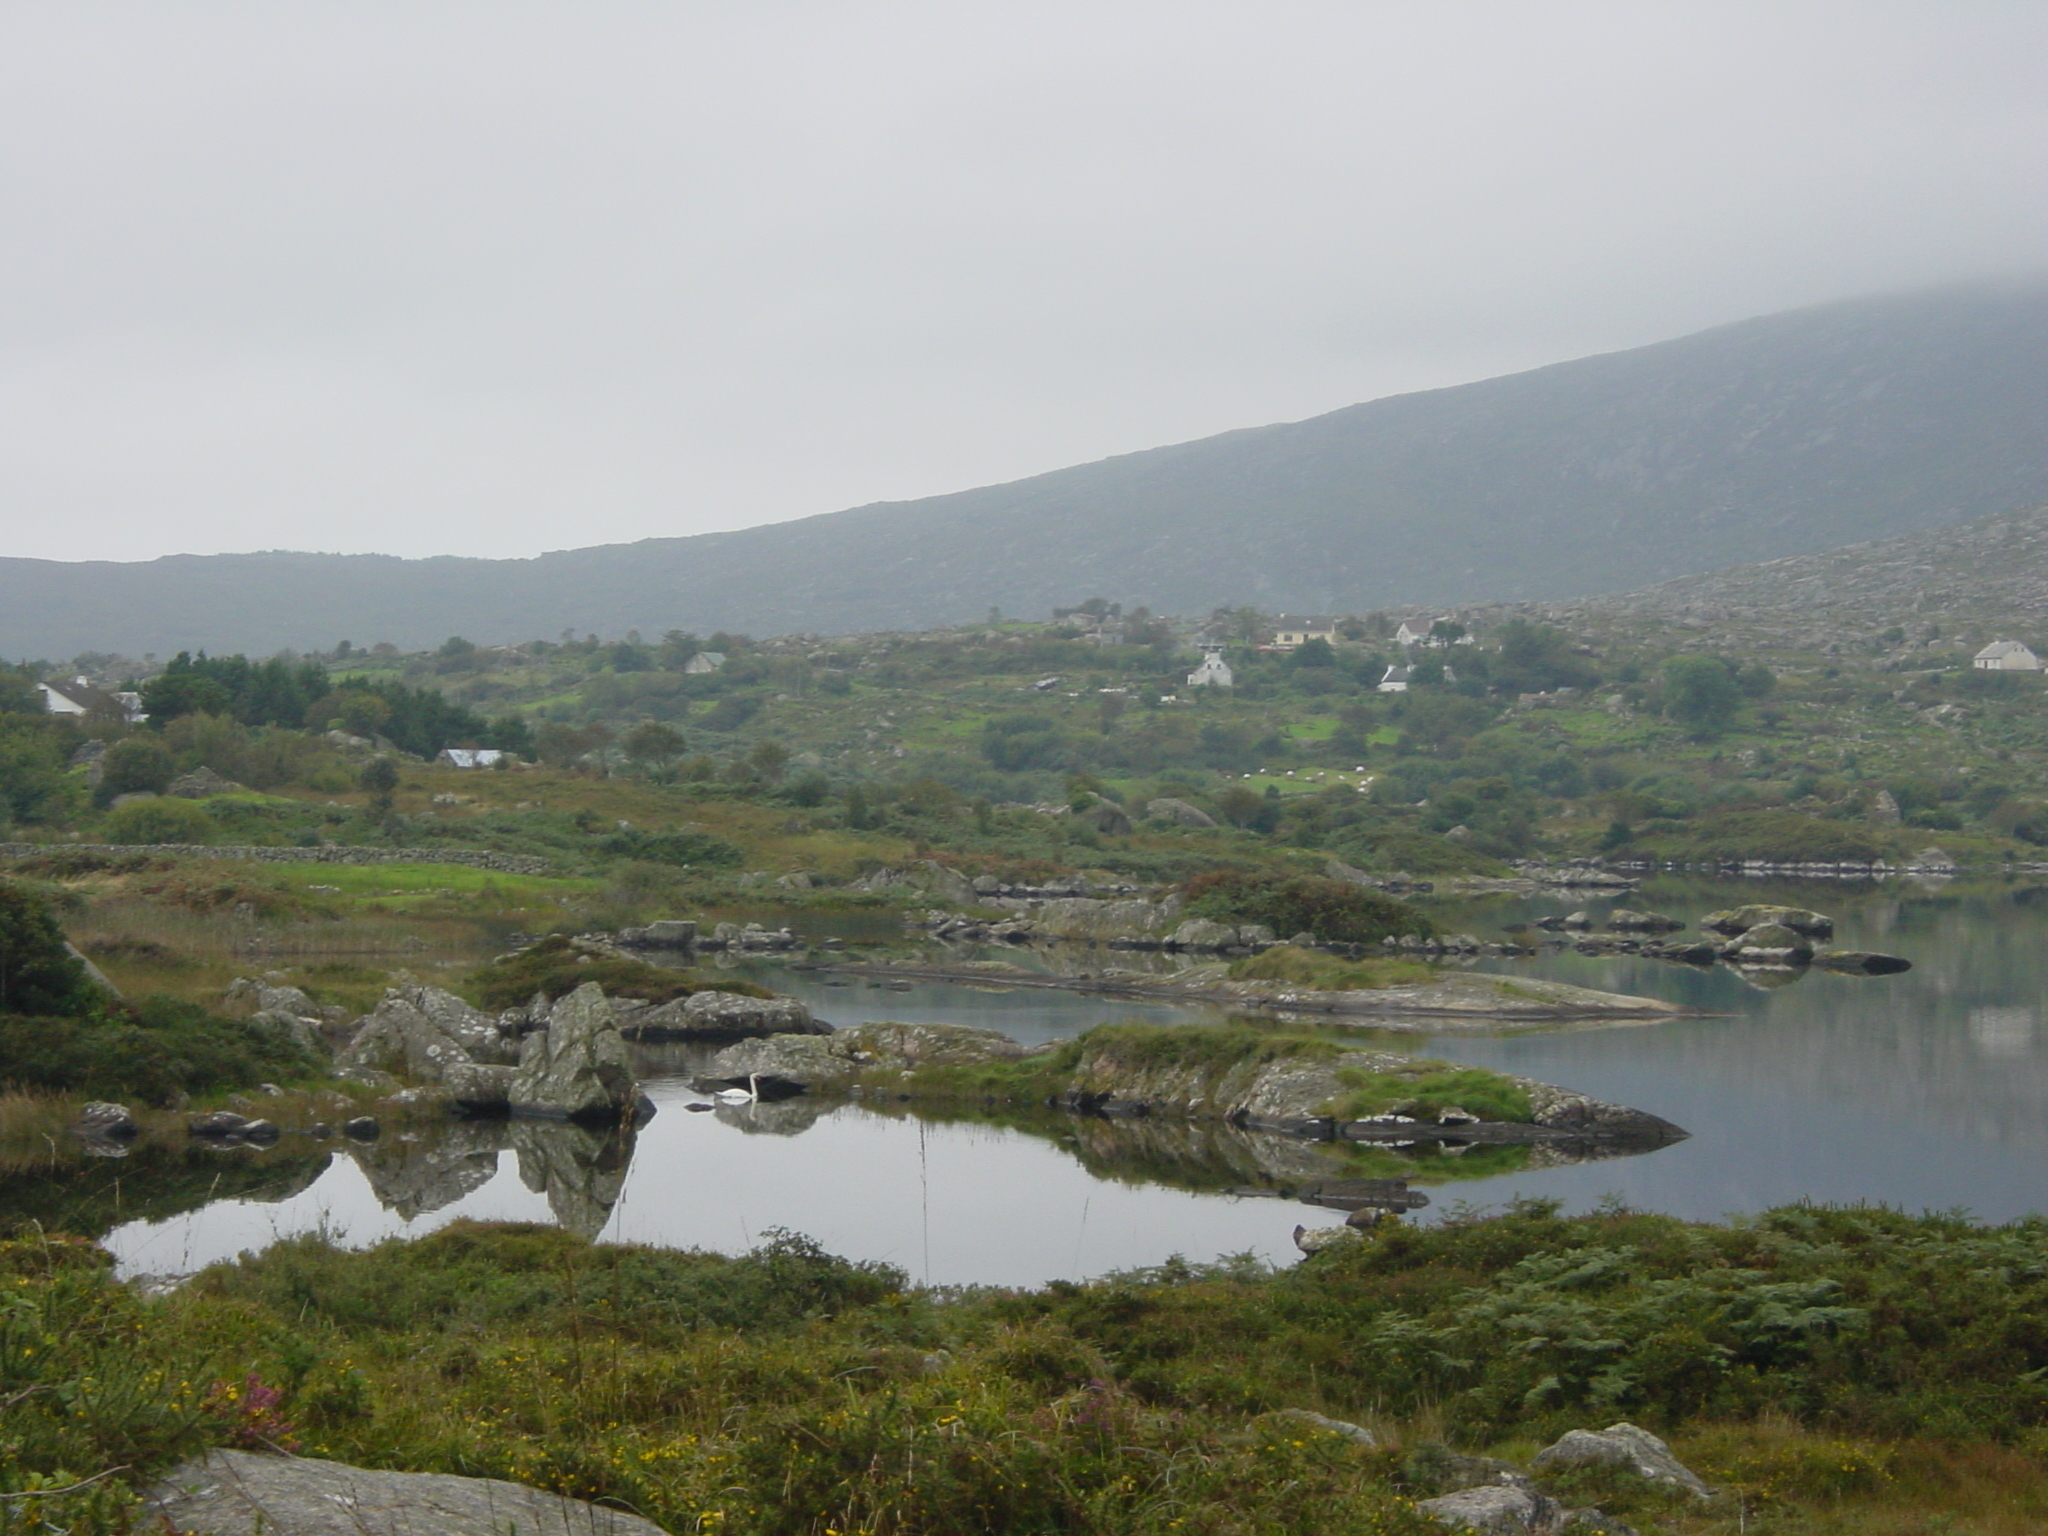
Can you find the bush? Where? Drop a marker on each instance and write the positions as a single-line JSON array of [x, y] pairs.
[[1331, 911], [160, 821], [674, 847], [152, 1050], [38, 971]]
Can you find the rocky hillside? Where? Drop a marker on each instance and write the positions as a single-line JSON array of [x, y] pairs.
[[1778, 436], [1975, 581]]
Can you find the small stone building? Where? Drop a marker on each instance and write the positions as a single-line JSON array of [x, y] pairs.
[[1214, 672]]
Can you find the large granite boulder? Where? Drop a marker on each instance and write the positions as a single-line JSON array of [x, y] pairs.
[[577, 1068], [1179, 812], [1625, 1446], [1623, 920], [238, 1493], [284, 1009], [719, 1016], [1734, 920], [1494, 1508], [424, 1033]]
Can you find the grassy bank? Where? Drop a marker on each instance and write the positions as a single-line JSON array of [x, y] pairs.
[[1828, 1371]]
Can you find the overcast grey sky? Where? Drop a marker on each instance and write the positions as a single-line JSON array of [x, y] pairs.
[[433, 277]]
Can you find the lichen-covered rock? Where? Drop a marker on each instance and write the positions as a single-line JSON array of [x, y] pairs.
[[1624, 1445], [423, 1033], [109, 1122], [1802, 921], [578, 1067], [237, 1493], [1494, 1508], [1314, 1240]]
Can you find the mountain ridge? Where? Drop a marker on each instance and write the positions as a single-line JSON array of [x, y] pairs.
[[1778, 435]]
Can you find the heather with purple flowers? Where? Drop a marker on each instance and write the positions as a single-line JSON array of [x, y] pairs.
[[253, 1414]]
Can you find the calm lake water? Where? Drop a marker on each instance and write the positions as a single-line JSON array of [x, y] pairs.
[[1925, 1090]]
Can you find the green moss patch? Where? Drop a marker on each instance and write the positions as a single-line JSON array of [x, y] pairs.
[[556, 967]]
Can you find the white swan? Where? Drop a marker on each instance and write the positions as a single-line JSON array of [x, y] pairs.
[[751, 1094]]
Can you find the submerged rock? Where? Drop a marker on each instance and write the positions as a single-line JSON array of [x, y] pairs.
[[1861, 962]]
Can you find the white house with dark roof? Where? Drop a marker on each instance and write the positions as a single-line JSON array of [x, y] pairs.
[[79, 697], [1214, 672], [470, 757], [705, 661], [1395, 680], [2006, 656]]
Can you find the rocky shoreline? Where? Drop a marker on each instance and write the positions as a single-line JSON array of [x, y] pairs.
[[1455, 998]]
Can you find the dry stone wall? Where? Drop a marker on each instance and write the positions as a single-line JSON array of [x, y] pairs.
[[470, 858]]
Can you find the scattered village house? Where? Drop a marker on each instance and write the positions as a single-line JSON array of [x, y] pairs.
[[1291, 633], [1395, 680], [1214, 672], [79, 697], [470, 757], [705, 661], [2006, 656]]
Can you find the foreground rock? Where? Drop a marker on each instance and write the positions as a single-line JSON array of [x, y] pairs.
[[1625, 1446], [235, 1493], [578, 1067]]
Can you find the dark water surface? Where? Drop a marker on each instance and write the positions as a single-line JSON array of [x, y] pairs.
[[1925, 1090]]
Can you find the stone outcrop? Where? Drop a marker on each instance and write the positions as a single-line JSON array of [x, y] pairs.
[[425, 1034], [1738, 920], [1623, 1445], [1496, 1508], [1622, 920], [106, 1122], [666, 933], [577, 1068], [833, 1060], [286, 1010], [1179, 812], [717, 1016], [200, 784], [1199, 933], [237, 1493]]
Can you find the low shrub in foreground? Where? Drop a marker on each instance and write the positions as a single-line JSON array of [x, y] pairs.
[[1834, 1370]]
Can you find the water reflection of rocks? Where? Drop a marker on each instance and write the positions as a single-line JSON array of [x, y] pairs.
[[580, 1169]]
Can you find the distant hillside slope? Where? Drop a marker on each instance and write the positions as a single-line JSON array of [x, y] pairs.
[[1775, 436], [1987, 578]]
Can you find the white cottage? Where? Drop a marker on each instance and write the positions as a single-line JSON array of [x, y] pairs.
[[1214, 672], [470, 757], [2006, 656], [1396, 680]]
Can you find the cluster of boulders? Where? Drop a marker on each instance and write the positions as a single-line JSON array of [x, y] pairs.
[[1497, 1496], [1756, 937]]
